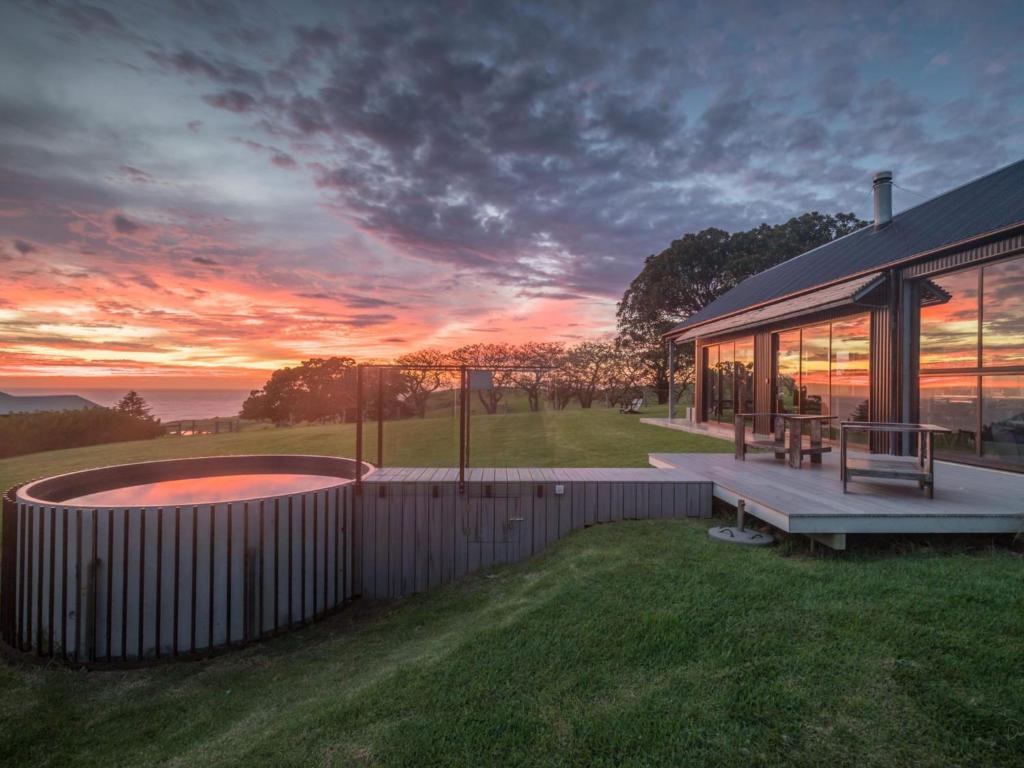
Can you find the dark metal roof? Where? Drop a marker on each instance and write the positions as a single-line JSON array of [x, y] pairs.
[[991, 203], [840, 294]]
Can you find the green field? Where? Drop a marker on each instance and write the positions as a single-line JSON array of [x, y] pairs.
[[600, 437], [637, 643]]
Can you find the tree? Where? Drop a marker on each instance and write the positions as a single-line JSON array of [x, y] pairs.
[[488, 357], [134, 405], [697, 268], [539, 359], [422, 383], [586, 369], [627, 374], [316, 390]]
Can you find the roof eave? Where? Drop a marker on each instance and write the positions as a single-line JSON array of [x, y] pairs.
[[683, 329]]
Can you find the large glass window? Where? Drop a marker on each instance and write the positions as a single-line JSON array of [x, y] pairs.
[[951, 402], [745, 375], [949, 321], [1002, 329], [728, 379], [787, 372], [711, 389], [1002, 426], [850, 365], [972, 361], [814, 365], [823, 369]]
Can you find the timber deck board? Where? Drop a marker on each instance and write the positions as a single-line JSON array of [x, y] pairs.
[[810, 500]]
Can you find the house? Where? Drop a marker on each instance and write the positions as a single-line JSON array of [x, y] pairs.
[[917, 317], [32, 403]]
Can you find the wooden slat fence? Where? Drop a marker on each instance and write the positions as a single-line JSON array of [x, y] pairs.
[[417, 532]]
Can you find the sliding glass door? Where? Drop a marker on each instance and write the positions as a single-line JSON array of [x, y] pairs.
[[728, 379], [823, 369]]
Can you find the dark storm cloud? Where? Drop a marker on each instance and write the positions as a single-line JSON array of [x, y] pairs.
[[23, 247], [89, 18], [352, 300], [283, 160], [233, 100], [551, 146], [366, 321], [219, 70], [126, 226]]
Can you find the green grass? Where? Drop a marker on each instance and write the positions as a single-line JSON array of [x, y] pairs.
[[600, 437], [638, 643]]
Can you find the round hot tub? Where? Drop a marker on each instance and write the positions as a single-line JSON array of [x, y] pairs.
[[169, 558]]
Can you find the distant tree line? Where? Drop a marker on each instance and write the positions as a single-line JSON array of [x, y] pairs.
[[22, 433], [547, 374]]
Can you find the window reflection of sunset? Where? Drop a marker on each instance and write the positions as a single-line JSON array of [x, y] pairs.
[[949, 330]]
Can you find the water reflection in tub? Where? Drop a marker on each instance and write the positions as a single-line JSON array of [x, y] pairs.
[[205, 490]]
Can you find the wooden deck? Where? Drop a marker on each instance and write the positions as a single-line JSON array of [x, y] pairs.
[[811, 500], [415, 531]]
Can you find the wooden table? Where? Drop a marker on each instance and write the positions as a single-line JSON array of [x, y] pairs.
[[796, 449], [921, 469]]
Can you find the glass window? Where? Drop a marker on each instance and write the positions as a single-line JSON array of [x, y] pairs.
[[728, 379], [950, 315], [814, 369], [1002, 330], [711, 383], [850, 365], [787, 371], [725, 382], [952, 402], [949, 321], [745, 375], [1002, 427]]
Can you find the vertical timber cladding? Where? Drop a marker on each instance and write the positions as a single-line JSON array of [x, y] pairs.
[[418, 532], [105, 586]]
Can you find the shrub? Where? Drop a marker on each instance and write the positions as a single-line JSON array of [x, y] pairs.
[[22, 433]]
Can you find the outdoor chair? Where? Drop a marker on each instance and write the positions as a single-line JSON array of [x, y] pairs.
[[633, 406]]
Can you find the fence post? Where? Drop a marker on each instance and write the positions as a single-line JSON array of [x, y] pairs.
[[462, 429], [380, 417], [359, 429]]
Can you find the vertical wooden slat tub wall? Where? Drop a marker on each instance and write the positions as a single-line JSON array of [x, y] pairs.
[[130, 585]]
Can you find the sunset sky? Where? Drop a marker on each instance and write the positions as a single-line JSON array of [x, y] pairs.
[[206, 189]]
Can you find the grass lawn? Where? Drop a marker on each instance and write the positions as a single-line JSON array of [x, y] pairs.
[[636, 643], [600, 437]]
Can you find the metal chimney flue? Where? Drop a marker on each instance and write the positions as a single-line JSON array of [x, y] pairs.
[[882, 186]]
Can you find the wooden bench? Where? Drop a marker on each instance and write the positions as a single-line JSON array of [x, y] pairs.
[[920, 469], [797, 446], [776, 444]]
